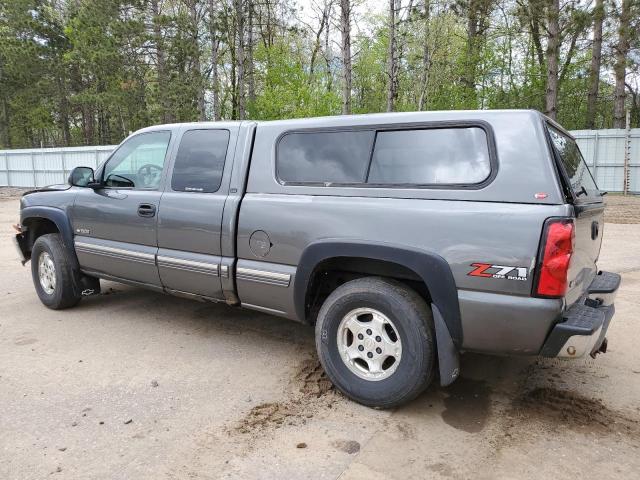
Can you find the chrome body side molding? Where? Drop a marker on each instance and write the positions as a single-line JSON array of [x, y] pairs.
[[119, 253], [188, 265], [263, 276]]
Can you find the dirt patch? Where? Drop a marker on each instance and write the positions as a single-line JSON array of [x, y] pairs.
[[347, 446], [11, 193], [312, 379], [268, 414], [622, 209], [310, 390], [565, 409]]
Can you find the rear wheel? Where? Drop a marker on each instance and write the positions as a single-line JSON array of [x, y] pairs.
[[375, 340], [53, 276]]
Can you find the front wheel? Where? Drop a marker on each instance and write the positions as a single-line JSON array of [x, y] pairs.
[[52, 273], [375, 340]]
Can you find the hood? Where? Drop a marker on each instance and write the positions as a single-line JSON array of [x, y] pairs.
[[49, 188]]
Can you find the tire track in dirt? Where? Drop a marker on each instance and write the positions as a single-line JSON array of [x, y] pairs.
[[543, 409], [310, 391]]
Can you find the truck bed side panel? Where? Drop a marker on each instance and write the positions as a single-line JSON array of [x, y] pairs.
[[463, 233]]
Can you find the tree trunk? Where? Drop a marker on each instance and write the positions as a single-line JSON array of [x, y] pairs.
[[5, 139], [165, 110], [239, 4], [215, 46], [596, 60], [392, 58], [426, 58], [471, 57], [327, 56], [6, 130], [345, 30], [553, 52], [231, 29], [88, 124], [197, 77], [318, 38], [251, 83], [196, 73], [64, 111], [478, 18], [535, 36], [635, 107], [620, 70]]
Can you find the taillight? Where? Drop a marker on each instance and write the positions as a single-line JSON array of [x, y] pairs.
[[557, 247]]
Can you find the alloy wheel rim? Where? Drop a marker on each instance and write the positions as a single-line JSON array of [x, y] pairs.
[[47, 273], [369, 344]]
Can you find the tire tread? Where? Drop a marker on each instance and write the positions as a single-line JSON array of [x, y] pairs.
[[65, 295], [412, 300]]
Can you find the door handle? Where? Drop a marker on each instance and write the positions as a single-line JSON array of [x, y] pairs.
[[146, 210]]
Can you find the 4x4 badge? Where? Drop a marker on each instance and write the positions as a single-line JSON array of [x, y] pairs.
[[487, 270]]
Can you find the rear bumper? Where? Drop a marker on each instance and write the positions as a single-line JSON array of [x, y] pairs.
[[584, 325]]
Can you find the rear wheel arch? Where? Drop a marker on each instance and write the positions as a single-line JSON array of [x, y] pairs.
[[411, 266]]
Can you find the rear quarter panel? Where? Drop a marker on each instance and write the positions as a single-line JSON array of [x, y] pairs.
[[499, 224]]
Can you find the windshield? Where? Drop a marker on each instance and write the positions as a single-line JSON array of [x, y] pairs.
[[580, 179]]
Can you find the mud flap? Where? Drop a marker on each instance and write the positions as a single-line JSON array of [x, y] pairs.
[[88, 285], [448, 358]]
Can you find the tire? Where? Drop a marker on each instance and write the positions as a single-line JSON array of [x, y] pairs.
[[57, 290], [366, 381]]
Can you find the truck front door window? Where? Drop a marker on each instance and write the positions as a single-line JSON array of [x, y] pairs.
[[138, 163], [200, 161]]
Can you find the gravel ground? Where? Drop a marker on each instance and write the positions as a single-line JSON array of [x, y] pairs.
[[623, 209], [135, 384], [10, 193]]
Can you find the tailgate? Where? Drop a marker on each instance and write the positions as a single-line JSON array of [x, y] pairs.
[[583, 193], [589, 223]]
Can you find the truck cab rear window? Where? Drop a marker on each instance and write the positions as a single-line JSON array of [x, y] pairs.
[[435, 156], [200, 161]]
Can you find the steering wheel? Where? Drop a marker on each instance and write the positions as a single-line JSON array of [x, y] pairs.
[[149, 174]]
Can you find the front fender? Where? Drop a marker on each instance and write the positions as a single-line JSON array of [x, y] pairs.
[[60, 219], [430, 267]]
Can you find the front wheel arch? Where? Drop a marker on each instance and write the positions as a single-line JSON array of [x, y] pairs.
[[40, 220]]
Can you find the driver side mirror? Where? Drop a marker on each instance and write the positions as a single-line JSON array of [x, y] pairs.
[[83, 177]]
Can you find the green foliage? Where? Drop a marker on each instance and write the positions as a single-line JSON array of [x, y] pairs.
[[287, 89], [91, 71]]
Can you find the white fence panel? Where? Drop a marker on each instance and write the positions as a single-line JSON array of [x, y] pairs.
[[4, 178], [47, 166], [604, 151]]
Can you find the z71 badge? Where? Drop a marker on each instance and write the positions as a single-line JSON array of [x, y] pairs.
[[486, 270]]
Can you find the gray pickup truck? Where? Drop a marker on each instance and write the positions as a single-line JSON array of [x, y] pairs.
[[406, 239]]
